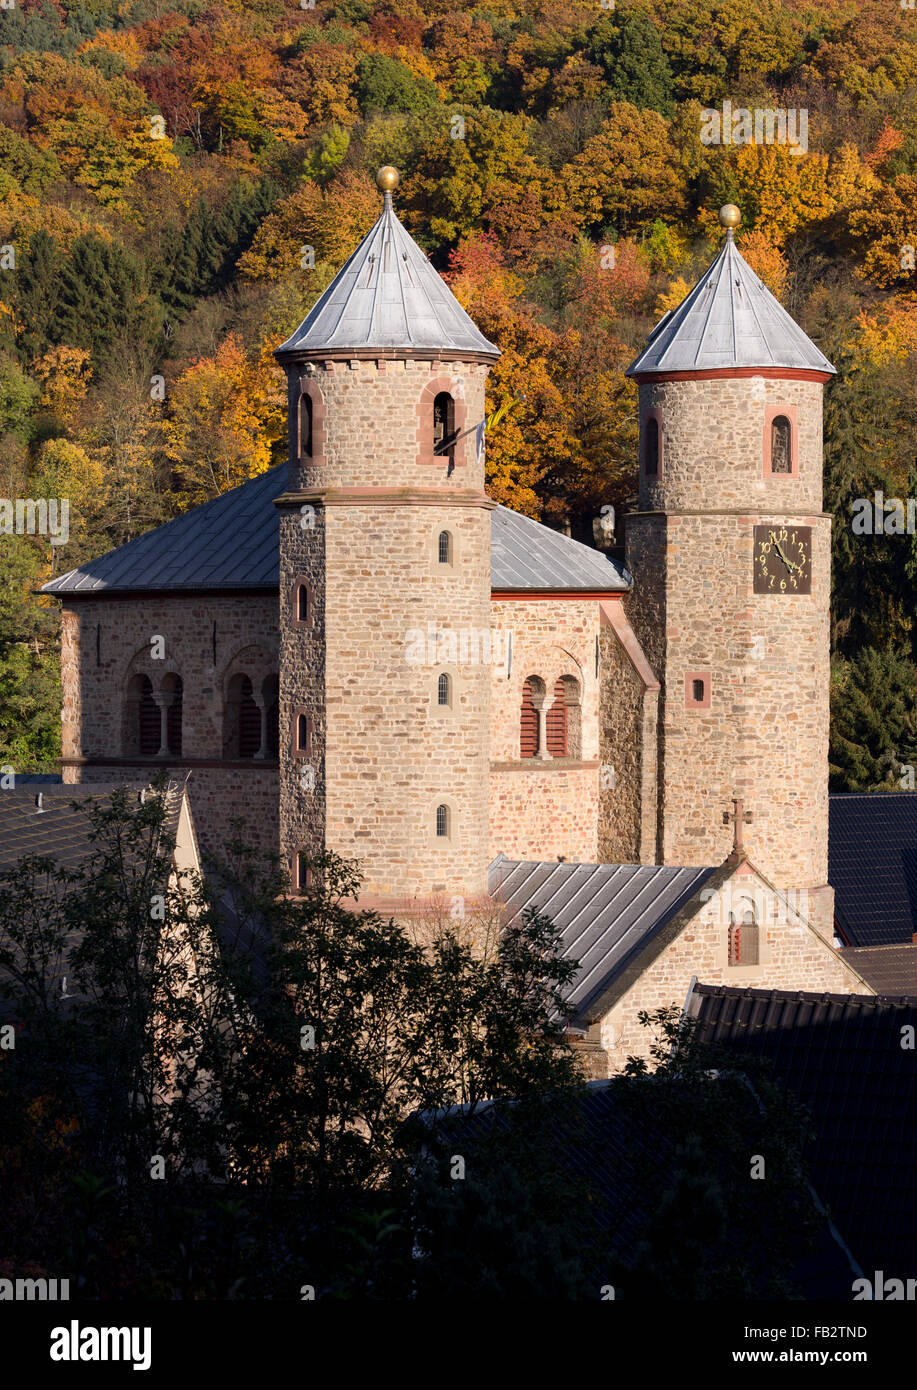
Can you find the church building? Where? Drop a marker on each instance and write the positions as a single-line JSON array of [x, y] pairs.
[[360, 651]]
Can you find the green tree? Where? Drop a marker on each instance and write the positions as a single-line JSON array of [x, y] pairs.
[[873, 721], [29, 662], [629, 50], [385, 84]]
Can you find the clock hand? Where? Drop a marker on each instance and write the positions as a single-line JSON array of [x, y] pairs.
[[777, 546]]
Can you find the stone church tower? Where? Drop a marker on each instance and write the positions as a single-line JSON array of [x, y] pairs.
[[385, 578], [730, 552]]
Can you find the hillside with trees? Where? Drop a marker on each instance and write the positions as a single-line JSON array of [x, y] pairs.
[[180, 181]]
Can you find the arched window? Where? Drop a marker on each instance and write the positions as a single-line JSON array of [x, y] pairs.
[[305, 426], [528, 724], [172, 690], [651, 447], [445, 548], [302, 734], [302, 602], [781, 445], [442, 822], [444, 690], [444, 426], [743, 939], [146, 715], [270, 691]]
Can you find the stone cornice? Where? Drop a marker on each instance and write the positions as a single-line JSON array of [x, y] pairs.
[[386, 497]]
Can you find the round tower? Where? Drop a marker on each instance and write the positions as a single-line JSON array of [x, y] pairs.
[[385, 578], [730, 552]]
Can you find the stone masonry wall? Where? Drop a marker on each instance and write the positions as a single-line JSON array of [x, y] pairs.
[[792, 957], [395, 619], [543, 808], [106, 641], [764, 736]]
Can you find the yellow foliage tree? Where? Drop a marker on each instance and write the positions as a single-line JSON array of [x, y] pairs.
[[64, 373], [224, 416]]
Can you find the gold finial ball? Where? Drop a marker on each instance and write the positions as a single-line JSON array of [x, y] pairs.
[[730, 216], [388, 178]]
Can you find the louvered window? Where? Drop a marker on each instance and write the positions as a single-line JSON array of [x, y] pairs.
[[148, 713], [528, 726], [556, 723], [249, 722], [174, 718], [743, 942]]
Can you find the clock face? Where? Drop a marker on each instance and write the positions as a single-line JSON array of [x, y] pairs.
[[783, 559]]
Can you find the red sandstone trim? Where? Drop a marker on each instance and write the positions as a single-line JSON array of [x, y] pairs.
[[691, 702], [728, 373], [308, 386], [771, 413], [300, 582], [386, 497], [424, 436], [600, 595], [616, 618]]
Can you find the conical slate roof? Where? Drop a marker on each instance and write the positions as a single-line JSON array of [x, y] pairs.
[[388, 297], [730, 319]]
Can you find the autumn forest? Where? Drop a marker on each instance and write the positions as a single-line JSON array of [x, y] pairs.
[[179, 181]]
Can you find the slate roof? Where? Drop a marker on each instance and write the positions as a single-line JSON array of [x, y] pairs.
[[526, 555], [387, 296], [606, 913], [233, 543], [56, 829], [872, 865], [729, 319], [890, 970], [841, 1055]]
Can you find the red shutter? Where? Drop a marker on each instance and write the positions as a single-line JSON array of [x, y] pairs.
[[528, 726], [556, 723]]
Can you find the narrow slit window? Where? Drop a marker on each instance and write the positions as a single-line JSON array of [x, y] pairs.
[[698, 690], [305, 426], [445, 548], [302, 733], [442, 822], [651, 448], [302, 603], [443, 691]]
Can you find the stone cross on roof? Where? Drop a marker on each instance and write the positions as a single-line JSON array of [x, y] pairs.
[[740, 817]]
